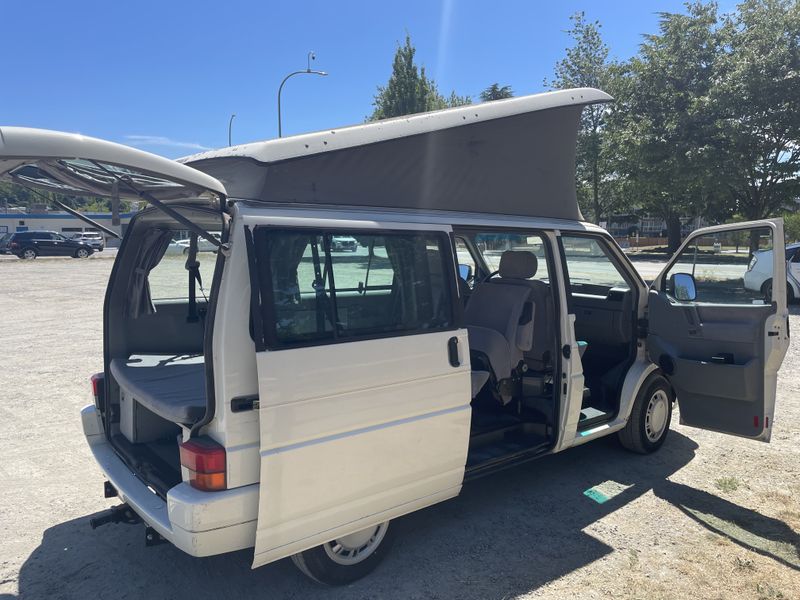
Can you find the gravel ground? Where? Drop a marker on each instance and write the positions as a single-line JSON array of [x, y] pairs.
[[708, 516]]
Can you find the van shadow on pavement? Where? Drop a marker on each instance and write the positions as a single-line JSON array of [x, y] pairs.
[[505, 535]]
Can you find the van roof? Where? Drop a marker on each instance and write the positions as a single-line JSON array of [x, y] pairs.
[[511, 157]]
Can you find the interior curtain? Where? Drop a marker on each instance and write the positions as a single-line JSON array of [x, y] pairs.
[[286, 252], [408, 266], [151, 250]]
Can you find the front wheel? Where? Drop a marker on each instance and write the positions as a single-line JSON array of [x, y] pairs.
[[346, 559], [650, 417], [82, 253]]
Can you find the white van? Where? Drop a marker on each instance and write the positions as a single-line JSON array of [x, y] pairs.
[[294, 397]]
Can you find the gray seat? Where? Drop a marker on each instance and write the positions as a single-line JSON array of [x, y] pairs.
[[499, 319], [540, 356]]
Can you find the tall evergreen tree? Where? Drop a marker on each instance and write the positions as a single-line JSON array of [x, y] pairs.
[[409, 89], [496, 92]]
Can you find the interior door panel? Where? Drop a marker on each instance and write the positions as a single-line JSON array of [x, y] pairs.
[[719, 344], [603, 319], [715, 354]]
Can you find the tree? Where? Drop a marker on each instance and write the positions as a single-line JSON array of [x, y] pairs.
[[409, 90], [586, 64], [20, 196], [666, 134], [496, 92], [756, 103]]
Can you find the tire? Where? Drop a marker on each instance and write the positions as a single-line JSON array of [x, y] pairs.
[[82, 253], [648, 424], [28, 254], [766, 290], [185, 251], [330, 564]]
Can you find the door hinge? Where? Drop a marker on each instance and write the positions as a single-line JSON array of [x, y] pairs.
[[245, 403]]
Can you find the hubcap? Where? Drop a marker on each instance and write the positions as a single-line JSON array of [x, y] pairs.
[[356, 547], [29, 254], [655, 420], [83, 253]]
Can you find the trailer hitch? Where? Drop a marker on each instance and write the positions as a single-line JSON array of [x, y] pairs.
[[116, 514]]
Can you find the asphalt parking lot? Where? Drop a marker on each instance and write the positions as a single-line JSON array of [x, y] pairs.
[[708, 516]]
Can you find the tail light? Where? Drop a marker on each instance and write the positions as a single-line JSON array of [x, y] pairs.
[[753, 262], [98, 389], [13, 244], [205, 460]]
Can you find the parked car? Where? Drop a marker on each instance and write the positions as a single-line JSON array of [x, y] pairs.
[[203, 245], [343, 243], [92, 238], [30, 244], [758, 277], [312, 400]]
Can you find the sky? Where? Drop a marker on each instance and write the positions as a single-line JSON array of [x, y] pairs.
[[165, 76]]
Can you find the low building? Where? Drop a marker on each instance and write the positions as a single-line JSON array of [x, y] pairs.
[[62, 222]]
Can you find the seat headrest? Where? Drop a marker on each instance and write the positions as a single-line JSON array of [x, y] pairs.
[[518, 264]]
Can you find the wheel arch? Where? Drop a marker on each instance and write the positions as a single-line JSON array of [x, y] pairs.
[[638, 377]]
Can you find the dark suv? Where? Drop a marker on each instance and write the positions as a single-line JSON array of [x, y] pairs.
[[30, 244]]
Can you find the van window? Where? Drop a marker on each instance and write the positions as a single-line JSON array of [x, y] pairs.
[[491, 245], [731, 267], [326, 286], [590, 269], [169, 279]]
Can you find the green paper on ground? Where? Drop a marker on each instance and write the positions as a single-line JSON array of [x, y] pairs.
[[603, 492]]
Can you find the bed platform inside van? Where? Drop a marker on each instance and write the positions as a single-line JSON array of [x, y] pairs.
[[170, 386]]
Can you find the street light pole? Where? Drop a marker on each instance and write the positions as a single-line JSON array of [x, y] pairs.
[[308, 71], [230, 126]]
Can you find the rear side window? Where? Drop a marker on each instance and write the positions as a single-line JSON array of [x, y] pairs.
[[333, 286]]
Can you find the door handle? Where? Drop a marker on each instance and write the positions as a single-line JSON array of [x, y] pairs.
[[452, 352]]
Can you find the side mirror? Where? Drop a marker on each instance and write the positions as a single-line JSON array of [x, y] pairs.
[[683, 287], [465, 272]]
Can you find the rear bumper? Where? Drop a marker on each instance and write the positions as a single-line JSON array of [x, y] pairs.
[[199, 523]]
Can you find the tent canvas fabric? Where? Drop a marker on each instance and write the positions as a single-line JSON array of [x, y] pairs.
[[522, 164]]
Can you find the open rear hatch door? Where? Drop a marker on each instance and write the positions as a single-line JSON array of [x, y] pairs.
[[718, 336], [73, 164]]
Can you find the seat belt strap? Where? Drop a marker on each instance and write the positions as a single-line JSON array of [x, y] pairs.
[[194, 277]]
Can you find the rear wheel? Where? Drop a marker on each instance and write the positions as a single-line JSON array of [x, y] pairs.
[[766, 290], [648, 424], [28, 254], [346, 559]]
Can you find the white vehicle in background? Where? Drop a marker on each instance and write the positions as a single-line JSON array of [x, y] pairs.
[[92, 238], [758, 277], [344, 243], [203, 245], [314, 396]]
